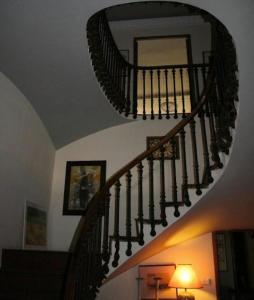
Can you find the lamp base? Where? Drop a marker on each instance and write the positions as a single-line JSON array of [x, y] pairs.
[[186, 296]]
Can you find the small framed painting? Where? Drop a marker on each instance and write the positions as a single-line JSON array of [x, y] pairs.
[[35, 227], [152, 277], [82, 180], [152, 141]]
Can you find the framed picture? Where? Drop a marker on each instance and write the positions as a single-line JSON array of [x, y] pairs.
[[221, 252], [125, 54], [152, 141], [82, 180], [35, 227], [149, 275]]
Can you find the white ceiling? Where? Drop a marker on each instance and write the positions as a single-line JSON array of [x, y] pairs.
[[44, 52]]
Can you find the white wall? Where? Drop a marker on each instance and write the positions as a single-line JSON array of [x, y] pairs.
[[124, 32], [198, 252], [26, 160]]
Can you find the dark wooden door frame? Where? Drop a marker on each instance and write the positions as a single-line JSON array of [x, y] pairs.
[[135, 63], [188, 45]]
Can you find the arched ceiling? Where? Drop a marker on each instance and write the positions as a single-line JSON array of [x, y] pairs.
[[44, 52]]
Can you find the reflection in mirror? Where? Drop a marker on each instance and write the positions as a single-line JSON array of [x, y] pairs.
[[234, 254]]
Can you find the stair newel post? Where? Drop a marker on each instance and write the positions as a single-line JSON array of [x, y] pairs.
[[182, 93], [144, 93], [162, 188], [140, 204], [174, 181], [174, 90], [135, 92], [195, 157], [167, 94], [105, 245], [116, 225], [152, 104], [159, 92], [128, 98], [128, 213], [151, 196], [185, 193]]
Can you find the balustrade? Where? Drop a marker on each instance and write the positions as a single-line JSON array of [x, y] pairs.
[[148, 92], [148, 186]]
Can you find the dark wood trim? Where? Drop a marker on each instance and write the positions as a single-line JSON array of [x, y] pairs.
[[216, 267], [188, 45]]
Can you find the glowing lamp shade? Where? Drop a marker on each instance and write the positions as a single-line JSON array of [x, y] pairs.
[[184, 277]]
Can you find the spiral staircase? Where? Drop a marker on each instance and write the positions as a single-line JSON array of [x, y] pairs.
[[161, 180]]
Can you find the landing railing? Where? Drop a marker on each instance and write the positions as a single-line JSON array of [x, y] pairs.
[[160, 179], [150, 92]]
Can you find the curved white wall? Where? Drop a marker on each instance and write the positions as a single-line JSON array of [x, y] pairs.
[[26, 160]]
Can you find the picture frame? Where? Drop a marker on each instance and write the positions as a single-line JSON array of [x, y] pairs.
[[125, 54], [35, 227], [152, 141], [147, 288], [82, 180]]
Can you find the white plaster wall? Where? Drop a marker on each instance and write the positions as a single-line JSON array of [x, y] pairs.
[[198, 252], [26, 160], [124, 32]]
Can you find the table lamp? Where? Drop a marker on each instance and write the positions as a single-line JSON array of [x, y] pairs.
[[184, 277]]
